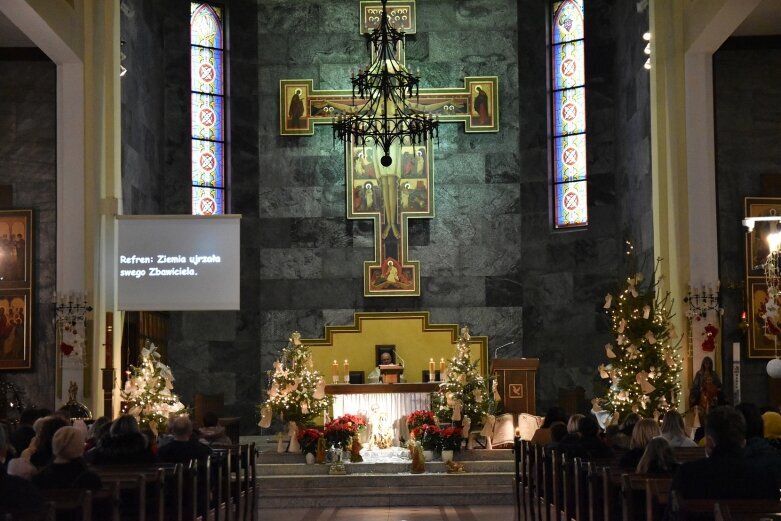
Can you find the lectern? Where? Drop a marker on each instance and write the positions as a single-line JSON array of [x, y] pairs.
[[516, 377], [391, 373]]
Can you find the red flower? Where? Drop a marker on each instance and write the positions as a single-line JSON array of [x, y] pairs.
[[418, 418]]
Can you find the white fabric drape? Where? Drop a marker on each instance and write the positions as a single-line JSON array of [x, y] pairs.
[[395, 405]]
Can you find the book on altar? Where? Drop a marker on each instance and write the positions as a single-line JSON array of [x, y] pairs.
[[504, 430], [528, 425]]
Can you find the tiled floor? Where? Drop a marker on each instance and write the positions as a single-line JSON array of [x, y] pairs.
[[449, 513]]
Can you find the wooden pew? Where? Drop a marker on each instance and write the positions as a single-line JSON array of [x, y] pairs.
[[164, 483], [634, 494], [657, 498], [528, 471], [224, 505], [241, 479], [725, 509], [141, 491], [70, 504]]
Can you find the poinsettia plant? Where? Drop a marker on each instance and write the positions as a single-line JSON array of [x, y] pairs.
[[357, 420], [428, 435], [308, 439], [418, 418], [339, 433], [451, 438]]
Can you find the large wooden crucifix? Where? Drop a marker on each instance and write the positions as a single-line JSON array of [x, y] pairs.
[[392, 195]]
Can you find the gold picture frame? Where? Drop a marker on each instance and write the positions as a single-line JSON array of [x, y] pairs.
[[756, 241], [15, 329], [16, 289], [760, 344]]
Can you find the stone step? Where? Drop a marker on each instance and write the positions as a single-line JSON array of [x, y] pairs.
[[300, 469], [432, 489], [272, 456]]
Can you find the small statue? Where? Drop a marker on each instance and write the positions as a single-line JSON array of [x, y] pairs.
[[454, 468], [418, 459], [320, 456], [355, 451], [73, 390]]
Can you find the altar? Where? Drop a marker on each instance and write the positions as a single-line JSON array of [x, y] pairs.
[[395, 400]]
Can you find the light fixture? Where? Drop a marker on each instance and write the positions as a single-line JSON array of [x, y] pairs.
[[386, 115], [647, 50]]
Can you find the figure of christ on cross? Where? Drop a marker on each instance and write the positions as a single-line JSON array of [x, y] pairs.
[[390, 196]]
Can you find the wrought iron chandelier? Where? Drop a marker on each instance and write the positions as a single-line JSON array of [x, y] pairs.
[[386, 86]]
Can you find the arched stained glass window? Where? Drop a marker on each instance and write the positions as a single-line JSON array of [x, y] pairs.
[[568, 115], [207, 108]]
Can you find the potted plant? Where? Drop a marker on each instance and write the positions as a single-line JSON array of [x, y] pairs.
[[308, 439], [417, 419], [429, 437], [339, 432], [451, 442]]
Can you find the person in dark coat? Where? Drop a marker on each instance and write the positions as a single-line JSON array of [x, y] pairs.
[[124, 445], [16, 494], [43, 454], [24, 433], [727, 473], [183, 447], [68, 470], [587, 445]]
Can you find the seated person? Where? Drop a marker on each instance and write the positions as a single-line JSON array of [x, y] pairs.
[[68, 469], [375, 377], [125, 444], [16, 493], [183, 448], [727, 473], [211, 433]]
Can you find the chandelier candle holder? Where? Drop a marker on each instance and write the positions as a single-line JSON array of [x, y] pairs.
[[772, 268], [385, 86], [702, 301]]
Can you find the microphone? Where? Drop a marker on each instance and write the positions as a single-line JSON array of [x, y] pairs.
[[503, 346], [398, 357]]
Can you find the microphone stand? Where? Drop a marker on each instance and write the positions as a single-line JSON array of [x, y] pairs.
[[496, 351]]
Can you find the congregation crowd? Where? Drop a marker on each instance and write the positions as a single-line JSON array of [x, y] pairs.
[[48, 451], [743, 442]]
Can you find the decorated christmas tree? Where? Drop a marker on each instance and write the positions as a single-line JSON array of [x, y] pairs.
[[465, 392], [149, 391], [297, 391], [643, 361]]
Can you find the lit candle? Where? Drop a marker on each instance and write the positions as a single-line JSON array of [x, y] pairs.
[[517, 432], [431, 370], [335, 371], [441, 367], [346, 371]]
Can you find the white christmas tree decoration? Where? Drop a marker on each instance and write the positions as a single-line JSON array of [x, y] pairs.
[[149, 392]]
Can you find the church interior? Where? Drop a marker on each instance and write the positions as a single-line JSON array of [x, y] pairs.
[[550, 178]]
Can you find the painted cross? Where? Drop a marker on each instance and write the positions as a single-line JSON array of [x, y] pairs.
[[390, 196]]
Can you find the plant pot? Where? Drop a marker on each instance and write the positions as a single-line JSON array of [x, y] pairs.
[[447, 455], [428, 455], [310, 458]]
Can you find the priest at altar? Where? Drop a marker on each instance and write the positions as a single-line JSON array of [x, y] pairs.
[[386, 359]]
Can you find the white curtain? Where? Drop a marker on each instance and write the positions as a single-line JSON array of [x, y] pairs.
[[395, 405]]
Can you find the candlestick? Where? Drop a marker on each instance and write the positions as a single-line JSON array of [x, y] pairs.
[[346, 371], [431, 373], [441, 368], [335, 371]]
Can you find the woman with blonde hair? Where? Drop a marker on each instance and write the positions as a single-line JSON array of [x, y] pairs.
[[645, 430], [674, 431], [658, 458]]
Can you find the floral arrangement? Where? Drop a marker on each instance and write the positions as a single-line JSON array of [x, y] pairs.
[[355, 419], [451, 438], [308, 439], [149, 391], [430, 436], [340, 432], [297, 391], [419, 418]]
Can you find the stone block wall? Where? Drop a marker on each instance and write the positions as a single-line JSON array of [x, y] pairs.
[[28, 146], [746, 87]]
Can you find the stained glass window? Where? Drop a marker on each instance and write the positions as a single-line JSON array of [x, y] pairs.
[[568, 115], [207, 108]]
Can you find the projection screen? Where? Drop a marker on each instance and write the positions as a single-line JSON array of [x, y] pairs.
[[178, 262]]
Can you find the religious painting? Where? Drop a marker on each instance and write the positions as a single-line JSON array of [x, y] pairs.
[[757, 248], [15, 248], [763, 320], [401, 15], [483, 106], [293, 105], [390, 196], [15, 329]]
